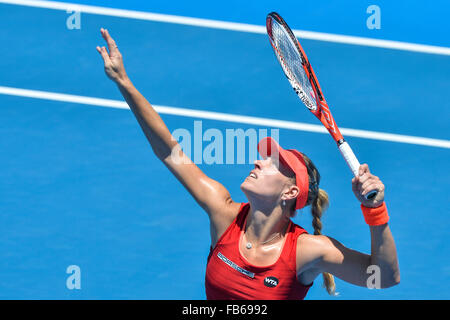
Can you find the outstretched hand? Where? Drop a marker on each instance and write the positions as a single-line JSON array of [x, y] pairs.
[[365, 183], [114, 67]]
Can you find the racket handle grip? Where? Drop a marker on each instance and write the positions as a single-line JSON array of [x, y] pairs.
[[349, 157], [353, 163]]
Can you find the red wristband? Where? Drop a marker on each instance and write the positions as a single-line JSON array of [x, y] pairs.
[[375, 216]]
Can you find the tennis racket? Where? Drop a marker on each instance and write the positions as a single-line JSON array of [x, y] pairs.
[[303, 80]]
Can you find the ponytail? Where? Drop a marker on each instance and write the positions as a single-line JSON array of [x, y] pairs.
[[319, 205], [318, 199]]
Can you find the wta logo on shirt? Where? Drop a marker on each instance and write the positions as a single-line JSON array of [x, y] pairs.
[[270, 282]]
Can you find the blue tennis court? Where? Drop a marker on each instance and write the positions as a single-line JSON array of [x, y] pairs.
[[80, 185]]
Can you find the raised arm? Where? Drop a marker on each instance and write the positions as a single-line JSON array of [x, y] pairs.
[[326, 254], [210, 194]]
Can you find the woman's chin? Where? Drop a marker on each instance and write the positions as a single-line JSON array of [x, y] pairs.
[[247, 186]]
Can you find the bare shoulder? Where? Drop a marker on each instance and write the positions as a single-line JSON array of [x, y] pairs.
[[311, 249], [222, 218], [313, 242], [228, 211]]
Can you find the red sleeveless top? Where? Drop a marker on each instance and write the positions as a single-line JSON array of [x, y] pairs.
[[231, 276]]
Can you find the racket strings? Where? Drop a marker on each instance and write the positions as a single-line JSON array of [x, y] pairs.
[[291, 60]]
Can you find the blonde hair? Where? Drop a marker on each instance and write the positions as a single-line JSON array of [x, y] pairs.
[[318, 199], [319, 205]]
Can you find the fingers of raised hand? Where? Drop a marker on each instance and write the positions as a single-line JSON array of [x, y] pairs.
[[361, 183], [367, 179], [109, 40], [364, 173], [101, 50], [374, 183], [364, 168], [367, 184], [103, 53]]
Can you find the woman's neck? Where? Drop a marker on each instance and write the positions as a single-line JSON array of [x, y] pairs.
[[262, 226]]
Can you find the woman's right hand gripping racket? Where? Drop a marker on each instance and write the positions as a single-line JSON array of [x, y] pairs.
[[301, 76]]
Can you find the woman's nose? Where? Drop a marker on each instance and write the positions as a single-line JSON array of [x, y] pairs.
[[258, 164], [262, 163]]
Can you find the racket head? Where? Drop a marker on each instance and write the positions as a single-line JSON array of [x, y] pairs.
[[291, 58], [299, 72]]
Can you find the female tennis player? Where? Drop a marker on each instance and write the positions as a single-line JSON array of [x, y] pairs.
[[257, 252]]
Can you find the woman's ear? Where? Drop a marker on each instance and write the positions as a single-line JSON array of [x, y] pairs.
[[292, 193]]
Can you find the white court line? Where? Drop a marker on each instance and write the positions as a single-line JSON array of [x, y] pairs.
[[243, 27], [192, 113]]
